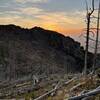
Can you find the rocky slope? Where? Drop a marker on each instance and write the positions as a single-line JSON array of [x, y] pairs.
[[37, 51]]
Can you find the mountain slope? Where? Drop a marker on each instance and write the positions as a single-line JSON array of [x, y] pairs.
[[37, 51]]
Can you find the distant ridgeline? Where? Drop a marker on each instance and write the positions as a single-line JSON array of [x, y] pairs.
[[38, 51]]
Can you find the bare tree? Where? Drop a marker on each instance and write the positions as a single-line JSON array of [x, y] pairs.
[[97, 38], [89, 13]]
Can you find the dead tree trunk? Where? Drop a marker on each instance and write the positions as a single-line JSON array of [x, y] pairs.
[[87, 44], [96, 43], [88, 94], [87, 36]]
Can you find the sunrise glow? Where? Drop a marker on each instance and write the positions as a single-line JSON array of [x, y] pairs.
[[64, 16]]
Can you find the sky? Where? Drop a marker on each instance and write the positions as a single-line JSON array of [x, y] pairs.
[[65, 16]]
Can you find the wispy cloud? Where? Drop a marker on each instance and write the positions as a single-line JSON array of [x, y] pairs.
[[45, 13], [62, 17], [59, 21], [32, 1], [31, 10]]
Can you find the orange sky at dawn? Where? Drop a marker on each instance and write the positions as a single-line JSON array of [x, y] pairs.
[[65, 31], [64, 16]]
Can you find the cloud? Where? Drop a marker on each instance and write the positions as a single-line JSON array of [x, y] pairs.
[[30, 10], [28, 16], [58, 21], [33, 1], [61, 18], [9, 19], [16, 20]]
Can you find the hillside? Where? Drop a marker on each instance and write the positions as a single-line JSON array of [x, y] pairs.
[[39, 52]]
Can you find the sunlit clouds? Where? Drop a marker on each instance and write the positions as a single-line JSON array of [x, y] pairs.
[[30, 13], [58, 21]]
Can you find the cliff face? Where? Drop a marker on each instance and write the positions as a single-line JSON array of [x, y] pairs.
[[37, 51]]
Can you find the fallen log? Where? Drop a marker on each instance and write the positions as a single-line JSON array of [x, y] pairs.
[[76, 86], [66, 83], [59, 85], [88, 94], [48, 93]]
